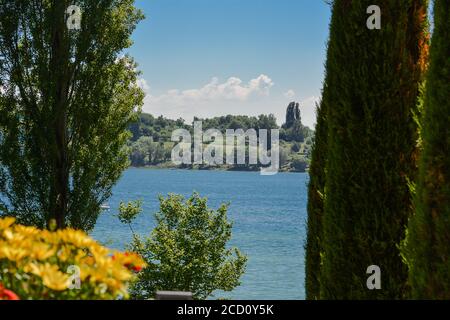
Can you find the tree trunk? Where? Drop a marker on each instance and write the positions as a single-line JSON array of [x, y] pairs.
[[59, 72]]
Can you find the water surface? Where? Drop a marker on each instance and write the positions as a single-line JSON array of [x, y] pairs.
[[269, 214]]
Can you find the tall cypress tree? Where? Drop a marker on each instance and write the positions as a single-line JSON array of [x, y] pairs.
[[427, 249], [316, 194], [373, 78]]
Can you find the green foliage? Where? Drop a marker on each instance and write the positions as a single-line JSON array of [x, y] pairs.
[[67, 98], [160, 129], [128, 212], [316, 193], [240, 122], [188, 251], [147, 152], [373, 78], [299, 164], [426, 249], [151, 143], [292, 114], [297, 133], [295, 147], [293, 129]]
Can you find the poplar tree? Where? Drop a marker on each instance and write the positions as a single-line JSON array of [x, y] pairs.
[[67, 96], [373, 75], [427, 249]]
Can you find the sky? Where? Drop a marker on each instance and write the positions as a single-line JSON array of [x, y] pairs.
[[210, 58]]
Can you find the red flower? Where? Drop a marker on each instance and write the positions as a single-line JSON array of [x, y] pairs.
[[133, 267], [137, 268], [130, 266], [7, 294]]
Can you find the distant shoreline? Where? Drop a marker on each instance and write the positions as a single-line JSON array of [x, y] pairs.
[[165, 166]]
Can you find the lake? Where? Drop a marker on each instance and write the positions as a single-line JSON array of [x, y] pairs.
[[269, 214]]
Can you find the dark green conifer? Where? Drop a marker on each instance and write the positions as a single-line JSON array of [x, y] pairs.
[[373, 79], [427, 249], [316, 194]]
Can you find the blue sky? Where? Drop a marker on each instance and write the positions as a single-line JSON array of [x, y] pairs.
[[217, 57]]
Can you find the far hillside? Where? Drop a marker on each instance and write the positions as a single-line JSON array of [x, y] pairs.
[[151, 144]]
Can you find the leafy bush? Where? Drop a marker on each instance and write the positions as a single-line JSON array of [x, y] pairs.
[[187, 250], [37, 264]]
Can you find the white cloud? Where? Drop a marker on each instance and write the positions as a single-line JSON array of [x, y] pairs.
[[214, 97], [308, 111], [232, 96], [289, 94], [142, 83], [232, 89]]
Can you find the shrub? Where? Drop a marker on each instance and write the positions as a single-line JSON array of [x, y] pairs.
[[187, 250]]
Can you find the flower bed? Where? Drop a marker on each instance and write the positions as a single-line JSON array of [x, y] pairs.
[[66, 264]]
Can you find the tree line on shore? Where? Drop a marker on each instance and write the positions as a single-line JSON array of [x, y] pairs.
[[151, 144]]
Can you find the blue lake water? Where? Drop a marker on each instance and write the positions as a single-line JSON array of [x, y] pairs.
[[269, 214]]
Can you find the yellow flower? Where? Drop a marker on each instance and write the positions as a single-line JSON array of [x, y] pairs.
[[99, 252], [15, 239], [51, 276], [95, 275], [116, 286], [121, 273], [3, 245], [101, 258], [27, 252], [6, 222], [129, 259], [26, 231], [75, 237], [42, 251], [55, 279], [12, 253], [65, 253], [8, 234], [90, 261], [32, 268], [85, 272], [50, 237]]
